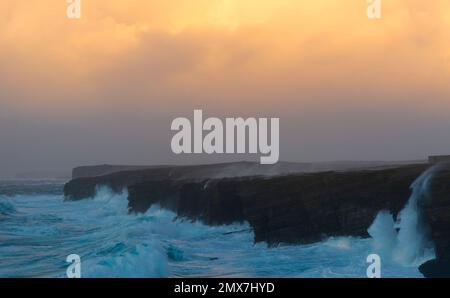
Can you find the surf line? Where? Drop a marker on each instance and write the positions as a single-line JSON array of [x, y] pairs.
[[230, 137]]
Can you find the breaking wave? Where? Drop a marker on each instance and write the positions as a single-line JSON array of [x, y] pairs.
[[41, 230], [6, 207], [406, 240]]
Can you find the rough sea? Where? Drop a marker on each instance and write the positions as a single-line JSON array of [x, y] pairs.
[[38, 230]]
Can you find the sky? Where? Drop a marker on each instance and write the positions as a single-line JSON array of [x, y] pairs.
[[104, 88]]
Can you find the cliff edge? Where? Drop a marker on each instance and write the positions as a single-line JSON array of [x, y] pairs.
[[292, 208]]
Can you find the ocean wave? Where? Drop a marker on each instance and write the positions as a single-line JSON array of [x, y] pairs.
[[6, 206], [113, 243], [145, 260], [406, 240]]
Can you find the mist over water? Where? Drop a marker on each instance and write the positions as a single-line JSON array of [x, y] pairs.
[[38, 231]]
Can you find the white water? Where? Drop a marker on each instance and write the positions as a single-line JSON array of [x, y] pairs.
[[405, 241], [38, 232]]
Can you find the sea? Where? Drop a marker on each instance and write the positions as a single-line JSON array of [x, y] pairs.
[[39, 230]]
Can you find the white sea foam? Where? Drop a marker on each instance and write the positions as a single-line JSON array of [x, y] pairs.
[[113, 243], [406, 240]]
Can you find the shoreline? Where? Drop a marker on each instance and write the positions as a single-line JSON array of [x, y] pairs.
[[295, 208]]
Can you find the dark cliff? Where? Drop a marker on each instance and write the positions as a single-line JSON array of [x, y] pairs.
[[295, 208], [298, 208], [85, 179]]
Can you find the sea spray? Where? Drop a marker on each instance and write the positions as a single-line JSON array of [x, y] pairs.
[[405, 240], [414, 245], [37, 238], [383, 232]]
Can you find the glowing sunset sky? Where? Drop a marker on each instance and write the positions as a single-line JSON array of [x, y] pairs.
[[104, 89]]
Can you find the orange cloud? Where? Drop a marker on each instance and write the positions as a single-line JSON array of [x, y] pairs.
[[246, 50], [105, 88]]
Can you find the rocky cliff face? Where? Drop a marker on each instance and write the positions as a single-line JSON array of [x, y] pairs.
[[299, 208], [85, 179], [296, 208]]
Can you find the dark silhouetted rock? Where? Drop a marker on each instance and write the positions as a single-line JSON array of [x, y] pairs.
[[295, 208], [299, 208], [436, 269]]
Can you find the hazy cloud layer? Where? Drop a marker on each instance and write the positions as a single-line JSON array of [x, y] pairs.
[[105, 88]]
